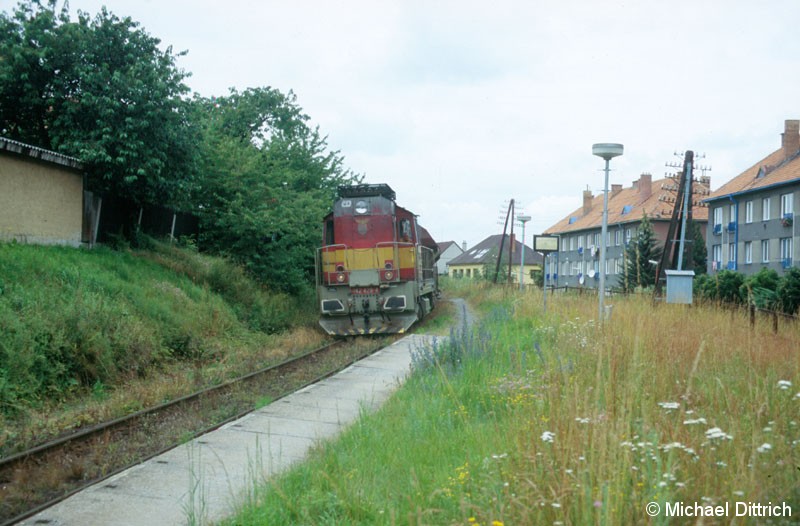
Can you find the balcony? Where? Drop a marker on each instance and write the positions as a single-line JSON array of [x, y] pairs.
[[732, 226], [786, 263], [717, 229], [787, 220], [731, 265]]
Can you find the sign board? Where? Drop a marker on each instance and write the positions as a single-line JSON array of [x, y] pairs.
[[545, 243]]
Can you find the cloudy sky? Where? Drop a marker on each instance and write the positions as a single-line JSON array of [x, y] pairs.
[[462, 105]]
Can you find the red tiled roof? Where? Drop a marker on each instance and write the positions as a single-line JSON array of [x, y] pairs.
[[780, 167], [775, 169], [630, 204]]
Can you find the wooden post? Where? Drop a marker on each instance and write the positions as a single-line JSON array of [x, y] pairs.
[[752, 315]]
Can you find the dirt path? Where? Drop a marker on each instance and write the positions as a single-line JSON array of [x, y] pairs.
[[465, 316]]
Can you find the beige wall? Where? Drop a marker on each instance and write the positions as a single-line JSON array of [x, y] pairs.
[[39, 203], [474, 271]]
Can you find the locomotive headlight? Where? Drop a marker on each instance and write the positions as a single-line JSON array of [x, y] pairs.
[[340, 278], [361, 207]]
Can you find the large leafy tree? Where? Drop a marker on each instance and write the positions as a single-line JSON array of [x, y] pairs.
[[641, 252], [99, 89], [267, 181]]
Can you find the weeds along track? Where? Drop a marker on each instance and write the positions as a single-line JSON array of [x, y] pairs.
[[35, 479]]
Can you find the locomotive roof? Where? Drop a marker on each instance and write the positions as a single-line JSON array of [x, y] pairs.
[[367, 190]]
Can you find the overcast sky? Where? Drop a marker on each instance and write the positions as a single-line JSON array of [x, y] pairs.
[[462, 105]]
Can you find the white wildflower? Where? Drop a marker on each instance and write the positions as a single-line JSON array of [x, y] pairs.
[[739, 493], [763, 448], [784, 384], [669, 405], [694, 421], [716, 432], [556, 505], [548, 436], [583, 420]]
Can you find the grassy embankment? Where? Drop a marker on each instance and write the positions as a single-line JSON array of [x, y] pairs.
[[90, 335], [552, 420]]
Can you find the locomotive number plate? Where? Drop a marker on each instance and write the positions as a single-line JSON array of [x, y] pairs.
[[363, 291]]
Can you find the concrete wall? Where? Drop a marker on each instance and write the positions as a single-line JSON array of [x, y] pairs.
[[39, 203]]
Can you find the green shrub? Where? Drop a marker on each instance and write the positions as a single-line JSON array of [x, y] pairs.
[[789, 291], [71, 319]]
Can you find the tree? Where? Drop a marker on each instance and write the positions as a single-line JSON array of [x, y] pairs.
[[267, 182], [789, 291], [100, 90], [699, 252], [641, 252], [761, 289]]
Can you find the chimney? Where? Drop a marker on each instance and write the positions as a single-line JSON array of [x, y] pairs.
[[790, 138], [645, 185], [464, 245], [587, 201], [615, 189]]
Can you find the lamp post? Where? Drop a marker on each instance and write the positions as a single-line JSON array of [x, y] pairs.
[[523, 220], [607, 151]]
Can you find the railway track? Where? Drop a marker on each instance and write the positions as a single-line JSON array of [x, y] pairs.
[[37, 478]]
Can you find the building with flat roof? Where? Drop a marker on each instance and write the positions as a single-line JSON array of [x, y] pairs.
[[41, 195]]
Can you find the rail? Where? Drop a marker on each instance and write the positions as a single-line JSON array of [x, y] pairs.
[[116, 436]]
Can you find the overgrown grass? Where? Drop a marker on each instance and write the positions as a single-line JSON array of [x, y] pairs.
[[121, 327], [555, 420]]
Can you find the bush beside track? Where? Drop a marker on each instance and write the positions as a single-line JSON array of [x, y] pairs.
[[76, 324]]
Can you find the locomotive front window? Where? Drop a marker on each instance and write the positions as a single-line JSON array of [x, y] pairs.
[[361, 207]]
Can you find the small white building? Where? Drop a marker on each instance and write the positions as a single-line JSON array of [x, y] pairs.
[[447, 251]]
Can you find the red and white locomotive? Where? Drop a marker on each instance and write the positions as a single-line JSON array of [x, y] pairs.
[[376, 268]]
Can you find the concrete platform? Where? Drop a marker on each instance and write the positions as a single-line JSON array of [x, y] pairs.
[[203, 480]]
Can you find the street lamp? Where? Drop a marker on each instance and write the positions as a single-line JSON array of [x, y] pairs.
[[523, 220], [607, 151]]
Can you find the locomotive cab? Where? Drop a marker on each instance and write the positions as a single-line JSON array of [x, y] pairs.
[[375, 270]]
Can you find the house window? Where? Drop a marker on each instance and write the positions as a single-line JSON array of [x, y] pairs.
[[732, 255], [733, 217], [765, 250], [748, 251], [469, 272], [628, 235], [786, 252], [765, 212], [597, 239], [718, 216], [748, 212], [617, 237], [787, 205], [716, 257], [580, 242], [618, 266]]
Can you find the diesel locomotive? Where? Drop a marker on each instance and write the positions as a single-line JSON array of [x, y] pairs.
[[376, 268]]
